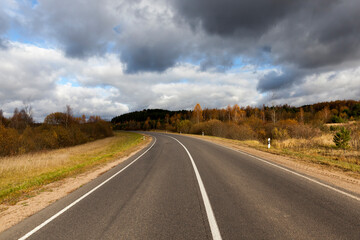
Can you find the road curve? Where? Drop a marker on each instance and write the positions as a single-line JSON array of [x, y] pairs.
[[159, 196]]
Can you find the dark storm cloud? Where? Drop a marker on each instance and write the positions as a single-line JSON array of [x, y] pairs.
[[276, 80], [307, 34], [155, 35], [234, 17], [82, 28], [141, 58]]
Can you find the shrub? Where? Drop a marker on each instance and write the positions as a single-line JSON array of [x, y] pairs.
[[337, 119], [184, 126], [9, 141], [226, 130], [342, 138], [280, 134]]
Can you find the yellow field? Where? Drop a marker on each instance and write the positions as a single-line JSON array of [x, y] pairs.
[[21, 175]]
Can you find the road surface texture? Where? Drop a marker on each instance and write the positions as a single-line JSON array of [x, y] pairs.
[[186, 188]]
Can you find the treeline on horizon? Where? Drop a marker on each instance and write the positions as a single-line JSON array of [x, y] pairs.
[[245, 123], [20, 134]]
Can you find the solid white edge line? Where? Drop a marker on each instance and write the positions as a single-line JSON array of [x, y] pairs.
[[82, 197], [209, 212], [288, 170]]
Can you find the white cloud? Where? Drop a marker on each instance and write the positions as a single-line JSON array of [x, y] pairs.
[[48, 80]]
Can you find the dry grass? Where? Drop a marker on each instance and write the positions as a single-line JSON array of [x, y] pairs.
[[19, 175], [319, 150]]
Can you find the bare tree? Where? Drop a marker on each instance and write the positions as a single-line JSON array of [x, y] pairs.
[[69, 114], [273, 114]]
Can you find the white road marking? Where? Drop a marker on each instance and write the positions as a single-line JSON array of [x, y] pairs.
[[82, 197], [288, 170], [303, 176], [209, 212]]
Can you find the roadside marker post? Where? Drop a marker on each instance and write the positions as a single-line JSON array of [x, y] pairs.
[[203, 133], [268, 143]]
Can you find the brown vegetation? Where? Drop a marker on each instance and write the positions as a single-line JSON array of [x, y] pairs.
[[19, 134], [302, 130]]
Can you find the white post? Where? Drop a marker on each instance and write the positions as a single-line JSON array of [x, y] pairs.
[[268, 142], [203, 133]]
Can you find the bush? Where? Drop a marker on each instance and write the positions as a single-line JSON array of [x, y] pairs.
[[184, 126], [337, 119], [48, 136], [280, 134], [342, 138], [9, 141], [226, 130]]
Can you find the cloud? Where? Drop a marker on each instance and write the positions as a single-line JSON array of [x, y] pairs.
[[82, 28], [116, 56], [280, 79], [48, 80], [309, 35], [235, 18], [31, 75]]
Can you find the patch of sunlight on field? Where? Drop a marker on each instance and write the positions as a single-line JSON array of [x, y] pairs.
[[24, 173]]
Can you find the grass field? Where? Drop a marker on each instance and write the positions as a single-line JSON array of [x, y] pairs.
[[21, 176]]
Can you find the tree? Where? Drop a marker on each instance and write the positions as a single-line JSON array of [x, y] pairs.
[[1, 116], [301, 115], [69, 115], [94, 119], [236, 111], [197, 114], [21, 119], [56, 118], [158, 124], [228, 112], [273, 114], [342, 138]]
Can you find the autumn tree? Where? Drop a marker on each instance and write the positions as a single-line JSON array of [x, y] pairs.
[[83, 119], [228, 113], [94, 119], [273, 114], [21, 119], [197, 113], [262, 115], [325, 114], [235, 111], [1, 117], [146, 125], [158, 124], [56, 118], [301, 116]]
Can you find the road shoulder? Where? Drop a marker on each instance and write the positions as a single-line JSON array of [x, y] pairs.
[[335, 177]]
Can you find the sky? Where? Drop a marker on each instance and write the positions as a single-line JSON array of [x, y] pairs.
[[111, 57]]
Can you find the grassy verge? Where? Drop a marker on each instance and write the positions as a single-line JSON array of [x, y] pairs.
[[325, 156], [22, 176], [314, 151]]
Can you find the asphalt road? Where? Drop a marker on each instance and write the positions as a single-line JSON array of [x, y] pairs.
[[186, 188]]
